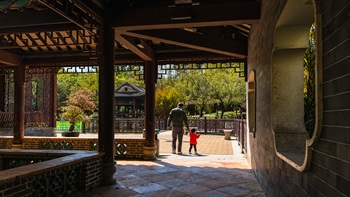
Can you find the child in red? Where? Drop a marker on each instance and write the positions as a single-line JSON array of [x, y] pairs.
[[193, 140]]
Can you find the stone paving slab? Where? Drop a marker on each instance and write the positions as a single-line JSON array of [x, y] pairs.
[[204, 175], [207, 144]]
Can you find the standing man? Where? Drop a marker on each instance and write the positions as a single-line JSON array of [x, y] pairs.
[[179, 119]]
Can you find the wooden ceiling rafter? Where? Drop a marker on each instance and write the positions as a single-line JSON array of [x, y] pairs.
[[50, 40], [86, 17], [141, 49], [164, 27], [10, 59], [39, 28], [29, 21], [70, 31], [195, 41], [228, 13]]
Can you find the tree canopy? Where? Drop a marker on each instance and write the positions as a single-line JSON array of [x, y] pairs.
[[79, 106], [208, 87], [204, 89]]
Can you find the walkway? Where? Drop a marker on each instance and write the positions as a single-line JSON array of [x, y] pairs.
[[219, 170]]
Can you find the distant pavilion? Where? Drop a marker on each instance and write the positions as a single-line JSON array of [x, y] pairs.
[[129, 101]]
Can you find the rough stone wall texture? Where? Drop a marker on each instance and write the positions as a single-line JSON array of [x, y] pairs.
[[329, 174]]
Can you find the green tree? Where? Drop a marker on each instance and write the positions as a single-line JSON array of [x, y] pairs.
[[87, 81], [64, 82], [68, 84], [227, 88], [130, 77], [197, 88], [208, 87], [309, 83], [79, 105], [165, 100], [236, 91]]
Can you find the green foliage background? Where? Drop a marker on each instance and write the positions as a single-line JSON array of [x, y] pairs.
[[202, 88], [309, 83]]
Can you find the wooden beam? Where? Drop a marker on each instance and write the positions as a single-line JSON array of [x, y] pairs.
[[10, 59], [60, 60], [141, 49], [203, 15], [30, 18], [74, 12], [40, 28], [92, 7], [195, 41], [122, 58], [66, 60], [189, 55], [30, 21]]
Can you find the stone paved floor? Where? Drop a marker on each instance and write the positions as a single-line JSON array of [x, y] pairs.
[[215, 172], [207, 144]]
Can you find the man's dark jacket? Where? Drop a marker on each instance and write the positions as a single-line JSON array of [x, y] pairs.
[[178, 117]]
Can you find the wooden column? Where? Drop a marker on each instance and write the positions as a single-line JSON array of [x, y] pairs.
[[28, 107], [54, 100], [106, 120], [150, 81], [134, 108], [18, 130], [2, 92]]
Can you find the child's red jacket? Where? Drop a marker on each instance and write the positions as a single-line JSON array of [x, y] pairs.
[[194, 137]]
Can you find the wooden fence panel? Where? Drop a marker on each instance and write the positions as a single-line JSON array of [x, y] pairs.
[[204, 125]]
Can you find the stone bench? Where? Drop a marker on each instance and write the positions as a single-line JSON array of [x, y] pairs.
[[227, 134]]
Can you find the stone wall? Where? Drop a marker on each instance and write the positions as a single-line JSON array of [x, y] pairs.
[[263, 159], [329, 173], [331, 156]]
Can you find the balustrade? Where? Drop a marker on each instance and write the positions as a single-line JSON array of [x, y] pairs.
[[240, 131], [136, 125], [31, 119]]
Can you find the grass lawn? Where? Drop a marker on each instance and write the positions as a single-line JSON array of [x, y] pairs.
[[63, 125]]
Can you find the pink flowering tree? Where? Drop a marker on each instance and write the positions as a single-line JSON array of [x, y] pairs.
[[79, 105]]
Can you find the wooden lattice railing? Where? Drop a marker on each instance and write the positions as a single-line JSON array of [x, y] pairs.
[[136, 125], [6, 120], [32, 119], [240, 131]]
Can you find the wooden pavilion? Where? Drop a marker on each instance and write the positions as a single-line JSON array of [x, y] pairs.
[[129, 101], [41, 38]]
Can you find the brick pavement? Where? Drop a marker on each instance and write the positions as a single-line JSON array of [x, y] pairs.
[[215, 172], [207, 144]]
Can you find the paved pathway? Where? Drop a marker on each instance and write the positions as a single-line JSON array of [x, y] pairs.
[[215, 172], [207, 144]]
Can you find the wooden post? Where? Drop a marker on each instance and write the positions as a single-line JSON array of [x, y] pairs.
[[106, 120], [54, 100], [150, 81], [18, 129], [2, 92], [242, 142]]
